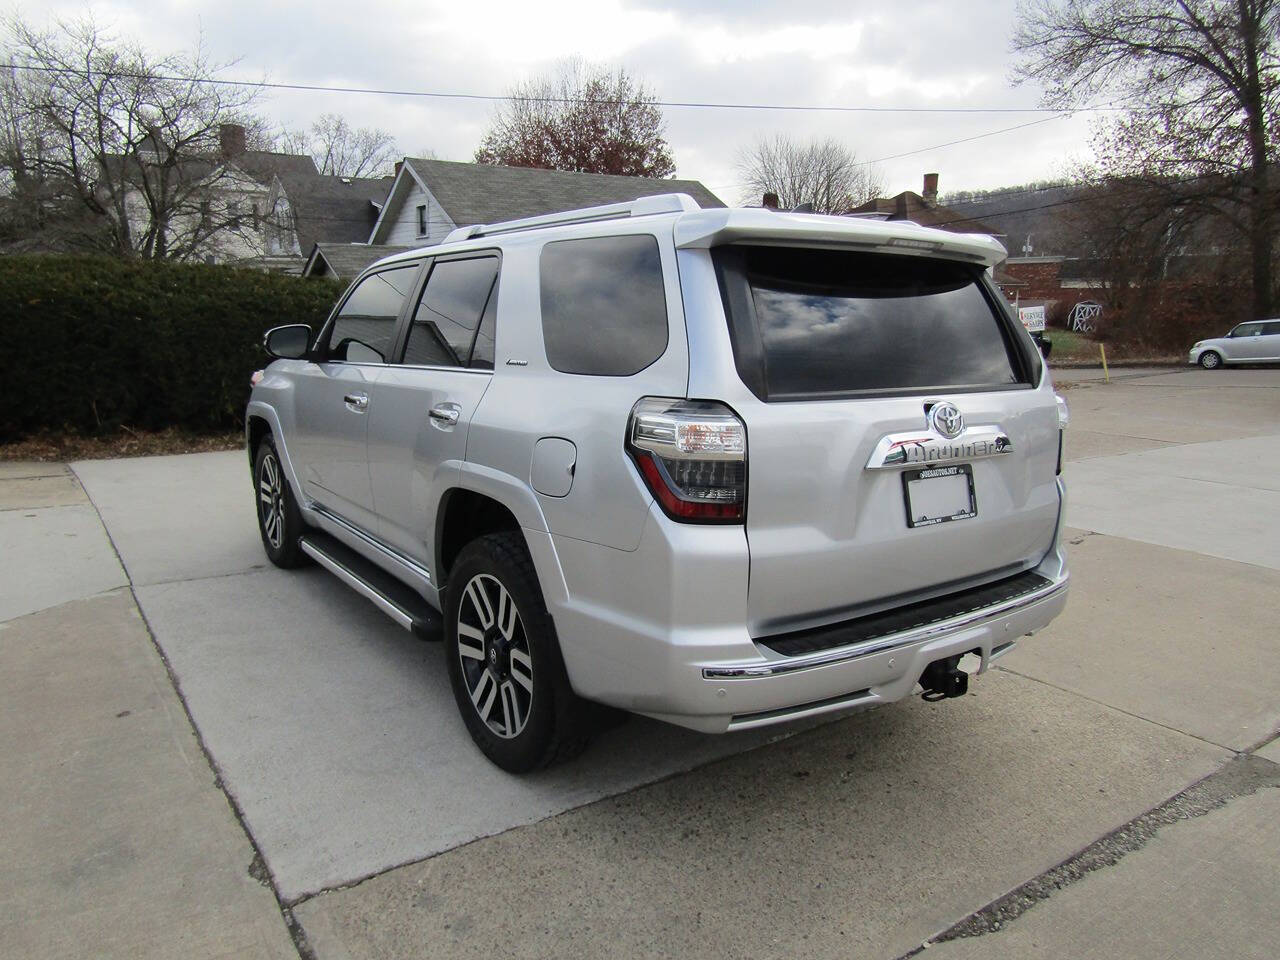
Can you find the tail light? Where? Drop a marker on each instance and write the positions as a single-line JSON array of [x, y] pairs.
[[692, 455]]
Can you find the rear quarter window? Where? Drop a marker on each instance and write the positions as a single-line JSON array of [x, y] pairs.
[[809, 323], [604, 309]]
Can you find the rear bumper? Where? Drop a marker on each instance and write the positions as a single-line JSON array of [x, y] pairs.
[[882, 670], [658, 631]]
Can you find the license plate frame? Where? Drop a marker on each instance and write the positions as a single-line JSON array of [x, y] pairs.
[[918, 517]]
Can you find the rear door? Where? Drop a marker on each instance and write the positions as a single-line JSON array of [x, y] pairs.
[[423, 404], [858, 364]]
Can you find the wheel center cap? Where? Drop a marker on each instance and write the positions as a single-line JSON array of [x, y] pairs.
[[497, 653]]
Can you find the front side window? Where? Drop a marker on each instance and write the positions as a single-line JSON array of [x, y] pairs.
[[449, 313], [1246, 330], [365, 327], [604, 309]]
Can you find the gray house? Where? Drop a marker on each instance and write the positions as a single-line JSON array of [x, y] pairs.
[[430, 197]]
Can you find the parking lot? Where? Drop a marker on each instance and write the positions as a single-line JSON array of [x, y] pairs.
[[205, 756]]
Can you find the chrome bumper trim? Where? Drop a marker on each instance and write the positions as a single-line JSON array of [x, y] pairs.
[[880, 644]]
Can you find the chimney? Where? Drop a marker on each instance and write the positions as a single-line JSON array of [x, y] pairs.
[[399, 164], [770, 201], [931, 188], [230, 140]]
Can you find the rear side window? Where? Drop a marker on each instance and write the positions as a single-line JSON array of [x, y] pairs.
[[448, 315], [365, 327], [827, 323], [604, 310]]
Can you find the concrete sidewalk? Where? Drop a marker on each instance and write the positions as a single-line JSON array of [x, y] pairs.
[[116, 839], [1033, 816]]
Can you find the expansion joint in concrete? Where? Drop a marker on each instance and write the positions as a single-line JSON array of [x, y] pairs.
[[1241, 776]]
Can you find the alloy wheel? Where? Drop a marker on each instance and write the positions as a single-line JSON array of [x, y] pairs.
[[494, 653], [271, 495]]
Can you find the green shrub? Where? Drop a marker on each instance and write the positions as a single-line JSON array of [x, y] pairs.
[[89, 343]]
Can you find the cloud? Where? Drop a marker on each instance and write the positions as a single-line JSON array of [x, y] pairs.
[[827, 52]]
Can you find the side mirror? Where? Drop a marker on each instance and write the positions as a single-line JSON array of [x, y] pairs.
[[288, 342]]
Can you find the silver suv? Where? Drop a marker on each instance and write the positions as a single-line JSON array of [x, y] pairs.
[[725, 468]]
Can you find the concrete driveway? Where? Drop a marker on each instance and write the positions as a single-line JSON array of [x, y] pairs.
[[325, 799]]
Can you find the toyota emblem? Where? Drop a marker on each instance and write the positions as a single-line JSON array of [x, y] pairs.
[[946, 419]]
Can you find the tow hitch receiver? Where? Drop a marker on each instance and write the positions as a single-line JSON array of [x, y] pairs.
[[943, 679]]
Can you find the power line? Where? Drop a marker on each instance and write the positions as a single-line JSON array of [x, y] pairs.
[[980, 136], [488, 97]]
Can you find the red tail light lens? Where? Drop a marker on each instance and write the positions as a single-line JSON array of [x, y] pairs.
[[692, 455]]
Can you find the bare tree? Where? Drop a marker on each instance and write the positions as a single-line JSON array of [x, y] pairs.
[[582, 118], [823, 174], [127, 140], [1202, 81], [341, 151]]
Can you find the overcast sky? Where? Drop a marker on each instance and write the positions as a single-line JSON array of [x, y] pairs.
[[818, 52]]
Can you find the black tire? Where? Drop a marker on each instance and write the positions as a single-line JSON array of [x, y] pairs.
[[279, 522], [508, 676], [1211, 360]]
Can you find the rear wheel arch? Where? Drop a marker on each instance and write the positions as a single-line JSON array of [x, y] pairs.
[[465, 515]]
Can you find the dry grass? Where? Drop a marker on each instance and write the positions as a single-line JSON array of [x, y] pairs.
[[61, 447]]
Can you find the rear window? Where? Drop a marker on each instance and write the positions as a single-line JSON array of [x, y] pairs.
[[604, 311], [826, 323]]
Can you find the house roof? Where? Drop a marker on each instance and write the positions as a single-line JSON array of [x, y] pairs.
[[346, 260], [263, 164], [909, 205], [484, 193], [333, 209]]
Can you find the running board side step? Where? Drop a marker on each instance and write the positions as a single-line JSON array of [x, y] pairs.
[[397, 600]]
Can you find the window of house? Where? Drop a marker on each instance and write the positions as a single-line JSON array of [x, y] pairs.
[[365, 327], [422, 220], [604, 309], [448, 317]]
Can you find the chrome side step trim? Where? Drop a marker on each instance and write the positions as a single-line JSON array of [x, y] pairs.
[[412, 565], [366, 590], [773, 668]]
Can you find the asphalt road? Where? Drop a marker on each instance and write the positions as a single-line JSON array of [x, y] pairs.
[[327, 801]]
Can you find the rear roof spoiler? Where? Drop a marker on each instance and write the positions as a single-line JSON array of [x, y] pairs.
[[709, 228]]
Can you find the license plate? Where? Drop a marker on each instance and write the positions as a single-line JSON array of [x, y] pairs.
[[939, 495]]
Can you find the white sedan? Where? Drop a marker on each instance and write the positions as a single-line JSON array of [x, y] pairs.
[[1257, 341]]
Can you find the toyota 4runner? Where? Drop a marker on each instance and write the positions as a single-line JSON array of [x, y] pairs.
[[725, 468]]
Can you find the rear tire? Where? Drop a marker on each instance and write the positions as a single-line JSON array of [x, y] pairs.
[[279, 521], [504, 660], [1211, 360]]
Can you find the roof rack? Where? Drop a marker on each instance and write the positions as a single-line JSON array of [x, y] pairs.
[[640, 207]]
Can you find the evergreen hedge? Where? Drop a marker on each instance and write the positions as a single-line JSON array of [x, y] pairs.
[[90, 343]]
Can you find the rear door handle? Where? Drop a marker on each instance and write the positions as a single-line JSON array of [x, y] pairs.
[[445, 415], [357, 402]]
